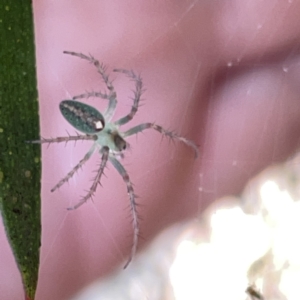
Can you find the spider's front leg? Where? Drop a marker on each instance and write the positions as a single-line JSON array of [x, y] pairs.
[[96, 180], [164, 132], [133, 206]]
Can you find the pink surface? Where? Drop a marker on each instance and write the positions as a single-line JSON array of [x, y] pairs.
[[243, 119]]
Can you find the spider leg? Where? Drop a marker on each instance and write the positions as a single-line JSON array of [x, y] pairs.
[[164, 132], [63, 139], [111, 106], [72, 172], [137, 95], [91, 94], [112, 96], [133, 206], [96, 180]]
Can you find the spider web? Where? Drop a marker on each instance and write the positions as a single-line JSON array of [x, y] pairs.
[[215, 75]]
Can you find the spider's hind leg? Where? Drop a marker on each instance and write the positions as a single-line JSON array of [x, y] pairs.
[[137, 95], [110, 110], [90, 94], [112, 95]]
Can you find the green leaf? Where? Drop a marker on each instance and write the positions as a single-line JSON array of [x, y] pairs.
[[19, 162]]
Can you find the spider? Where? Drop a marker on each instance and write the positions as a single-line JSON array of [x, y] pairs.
[[106, 135]]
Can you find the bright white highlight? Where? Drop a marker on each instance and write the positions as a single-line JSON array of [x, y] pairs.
[[218, 269], [243, 249]]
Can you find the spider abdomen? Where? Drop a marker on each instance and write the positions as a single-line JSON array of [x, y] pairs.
[[83, 117]]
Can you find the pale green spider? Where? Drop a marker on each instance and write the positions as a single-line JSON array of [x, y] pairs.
[[107, 137]]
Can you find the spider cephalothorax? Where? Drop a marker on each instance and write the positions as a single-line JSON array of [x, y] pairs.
[[106, 135]]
